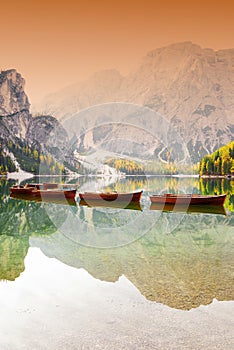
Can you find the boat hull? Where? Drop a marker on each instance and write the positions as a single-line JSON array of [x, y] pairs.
[[21, 190], [188, 199], [46, 192], [111, 197]]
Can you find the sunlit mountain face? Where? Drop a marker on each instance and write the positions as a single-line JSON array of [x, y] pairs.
[[189, 86]]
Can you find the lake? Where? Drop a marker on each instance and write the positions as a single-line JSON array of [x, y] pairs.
[[83, 277]]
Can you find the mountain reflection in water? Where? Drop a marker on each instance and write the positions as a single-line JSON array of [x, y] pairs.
[[183, 268]]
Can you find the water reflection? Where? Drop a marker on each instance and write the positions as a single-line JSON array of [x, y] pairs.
[[115, 204], [44, 199], [182, 268], [13, 252], [205, 209]]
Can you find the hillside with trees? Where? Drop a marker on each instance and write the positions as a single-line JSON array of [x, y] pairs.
[[38, 145], [30, 159], [132, 167], [220, 163]]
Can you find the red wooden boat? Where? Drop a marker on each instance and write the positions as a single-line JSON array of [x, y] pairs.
[[188, 199], [51, 186], [111, 196], [43, 186], [22, 190], [44, 191]]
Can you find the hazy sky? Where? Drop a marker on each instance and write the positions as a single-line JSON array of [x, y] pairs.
[[55, 43]]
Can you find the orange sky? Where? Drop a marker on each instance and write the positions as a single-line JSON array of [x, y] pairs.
[[55, 43]]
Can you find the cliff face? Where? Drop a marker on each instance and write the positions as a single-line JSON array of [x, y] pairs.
[[13, 99], [49, 133], [18, 127], [14, 106], [190, 86]]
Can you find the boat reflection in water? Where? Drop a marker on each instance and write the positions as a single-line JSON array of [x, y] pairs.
[[182, 261], [203, 209], [115, 204], [45, 199]]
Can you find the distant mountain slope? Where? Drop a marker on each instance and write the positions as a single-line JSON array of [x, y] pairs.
[[190, 86]]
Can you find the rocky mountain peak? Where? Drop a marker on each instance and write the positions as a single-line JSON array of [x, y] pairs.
[[190, 86], [20, 131], [12, 96], [182, 47]]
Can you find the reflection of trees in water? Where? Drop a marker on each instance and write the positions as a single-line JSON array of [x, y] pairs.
[[14, 242], [183, 270], [18, 220], [19, 217], [13, 251], [219, 186], [156, 184], [195, 265]]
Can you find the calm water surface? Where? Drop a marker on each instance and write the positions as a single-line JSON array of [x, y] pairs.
[[83, 277]]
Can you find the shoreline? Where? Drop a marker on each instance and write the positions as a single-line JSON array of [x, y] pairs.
[[22, 175], [217, 177]]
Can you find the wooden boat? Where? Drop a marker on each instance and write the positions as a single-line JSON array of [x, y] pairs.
[[44, 191], [197, 209], [188, 199], [22, 190], [36, 186], [111, 196], [44, 186], [115, 204]]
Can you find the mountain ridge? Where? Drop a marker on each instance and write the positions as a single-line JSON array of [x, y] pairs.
[[190, 86]]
